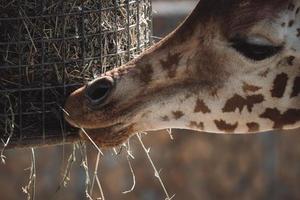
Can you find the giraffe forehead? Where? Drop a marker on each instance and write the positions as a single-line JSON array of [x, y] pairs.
[[249, 13]]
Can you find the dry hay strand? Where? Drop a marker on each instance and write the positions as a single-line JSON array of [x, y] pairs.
[[50, 47]]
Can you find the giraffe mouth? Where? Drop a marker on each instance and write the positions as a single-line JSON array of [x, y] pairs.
[[110, 136], [106, 135], [75, 123]]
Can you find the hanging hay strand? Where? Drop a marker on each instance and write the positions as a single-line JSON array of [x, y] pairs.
[[50, 47]]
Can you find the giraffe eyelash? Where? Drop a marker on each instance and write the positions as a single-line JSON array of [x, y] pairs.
[[254, 51]]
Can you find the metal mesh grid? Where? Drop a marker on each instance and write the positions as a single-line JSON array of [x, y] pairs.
[[50, 47]]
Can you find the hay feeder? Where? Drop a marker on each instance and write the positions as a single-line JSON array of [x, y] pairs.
[[50, 47]]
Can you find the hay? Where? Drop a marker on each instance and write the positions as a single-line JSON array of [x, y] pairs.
[[50, 47]]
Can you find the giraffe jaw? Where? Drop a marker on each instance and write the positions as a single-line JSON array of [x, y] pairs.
[[108, 137], [104, 135]]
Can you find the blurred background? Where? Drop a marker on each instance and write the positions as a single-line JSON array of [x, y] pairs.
[[193, 165]]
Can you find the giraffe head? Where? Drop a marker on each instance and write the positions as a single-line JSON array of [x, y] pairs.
[[232, 67]]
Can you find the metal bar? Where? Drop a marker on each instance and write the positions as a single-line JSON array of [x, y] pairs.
[[100, 40], [71, 137], [68, 14], [38, 88], [20, 77], [138, 26], [151, 23], [29, 113], [64, 126], [83, 39], [43, 82], [71, 60], [75, 38], [128, 31], [116, 33]]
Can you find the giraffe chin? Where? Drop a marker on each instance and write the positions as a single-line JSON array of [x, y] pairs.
[[108, 137]]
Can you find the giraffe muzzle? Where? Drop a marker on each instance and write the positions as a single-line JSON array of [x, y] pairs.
[[98, 91]]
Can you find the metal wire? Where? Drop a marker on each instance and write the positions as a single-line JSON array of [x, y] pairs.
[[49, 48]]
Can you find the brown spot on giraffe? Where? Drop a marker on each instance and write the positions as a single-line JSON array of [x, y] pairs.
[[291, 23], [178, 114], [291, 6], [296, 87], [210, 74], [165, 118], [253, 126], [290, 59], [146, 114], [298, 32], [194, 124], [146, 73], [189, 63], [214, 92], [239, 102], [171, 64], [265, 73], [187, 96], [226, 127], [279, 85], [250, 88], [201, 107], [289, 117]]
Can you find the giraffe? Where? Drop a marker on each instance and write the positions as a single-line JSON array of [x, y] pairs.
[[231, 67]]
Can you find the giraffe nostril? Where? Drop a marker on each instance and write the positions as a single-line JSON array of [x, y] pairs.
[[99, 90]]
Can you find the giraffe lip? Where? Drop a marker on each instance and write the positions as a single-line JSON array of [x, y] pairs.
[[109, 136], [116, 126], [113, 128], [99, 134], [73, 123]]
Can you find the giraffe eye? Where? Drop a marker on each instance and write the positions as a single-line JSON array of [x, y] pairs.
[[257, 49]]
